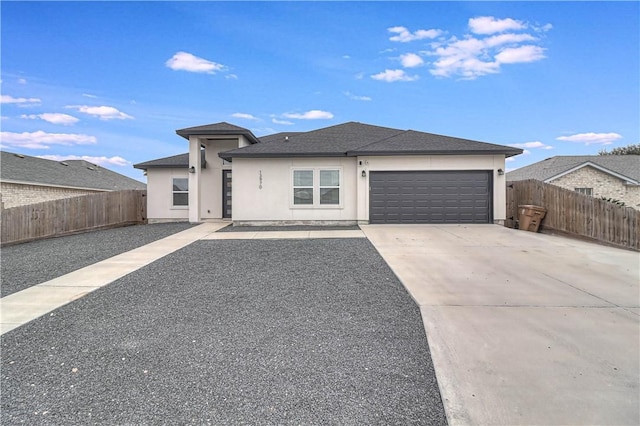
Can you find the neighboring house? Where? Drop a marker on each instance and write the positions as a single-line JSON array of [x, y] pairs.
[[609, 176], [28, 180], [344, 174]]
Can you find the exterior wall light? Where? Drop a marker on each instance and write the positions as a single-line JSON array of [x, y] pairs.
[[364, 173], [192, 169], [500, 172]]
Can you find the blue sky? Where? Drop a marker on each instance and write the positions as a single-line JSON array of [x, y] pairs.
[[112, 81]]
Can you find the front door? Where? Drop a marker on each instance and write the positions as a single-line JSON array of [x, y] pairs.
[[226, 194]]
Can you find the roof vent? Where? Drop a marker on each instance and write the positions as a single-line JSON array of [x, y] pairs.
[[90, 168], [19, 155], [64, 164], [286, 138]]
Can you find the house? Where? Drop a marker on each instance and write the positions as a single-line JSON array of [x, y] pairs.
[[609, 176], [344, 174], [27, 180]]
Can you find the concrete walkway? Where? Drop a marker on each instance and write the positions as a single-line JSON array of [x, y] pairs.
[[523, 328], [33, 302]]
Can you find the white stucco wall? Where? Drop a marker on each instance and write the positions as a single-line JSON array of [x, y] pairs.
[[433, 163], [160, 195], [273, 202]]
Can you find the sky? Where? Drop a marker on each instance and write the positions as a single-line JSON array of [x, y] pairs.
[[111, 82]]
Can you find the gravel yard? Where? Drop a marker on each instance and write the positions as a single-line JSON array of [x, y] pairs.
[[231, 332], [28, 264]]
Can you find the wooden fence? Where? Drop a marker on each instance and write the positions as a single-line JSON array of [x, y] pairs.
[[72, 215], [576, 214]]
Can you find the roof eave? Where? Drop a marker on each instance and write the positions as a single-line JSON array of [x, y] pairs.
[[185, 133], [227, 156], [459, 152]]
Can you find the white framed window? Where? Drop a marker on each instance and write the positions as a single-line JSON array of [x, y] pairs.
[[316, 187], [180, 192], [585, 191], [329, 187]]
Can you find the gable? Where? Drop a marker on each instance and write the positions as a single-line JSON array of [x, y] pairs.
[[588, 165]]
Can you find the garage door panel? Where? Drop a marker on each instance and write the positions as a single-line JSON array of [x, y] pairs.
[[430, 197]]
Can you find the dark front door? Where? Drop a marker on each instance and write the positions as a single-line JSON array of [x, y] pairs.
[[430, 197], [226, 194]]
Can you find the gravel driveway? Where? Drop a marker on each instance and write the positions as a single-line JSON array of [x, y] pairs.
[[28, 264], [231, 332]]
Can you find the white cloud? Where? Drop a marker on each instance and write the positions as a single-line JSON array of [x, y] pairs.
[[531, 145], [88, 95], [403, 35], [591, 138], [102, 112], [8, 99], [314, 114], [42, 140], [514, 55], [22, 81], [359, 76], [473, 57], [410, 60], [491, 25], [394, 75], [346, 57], [283, 122], [4, 117], [101, 161], [231, 77], [356, 97], [244, 116], [183, 61], [52, 117]]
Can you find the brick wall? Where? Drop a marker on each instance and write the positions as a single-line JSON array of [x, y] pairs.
[[603, 184], [13, 194]]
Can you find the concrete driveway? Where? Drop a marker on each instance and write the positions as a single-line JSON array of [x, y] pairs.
[[523, 328]]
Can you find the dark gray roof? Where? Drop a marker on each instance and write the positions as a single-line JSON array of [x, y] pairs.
[[415, 143], [353, 139], [625, 165], [174, 162], [68, 173], [222, 128], [278, 137]]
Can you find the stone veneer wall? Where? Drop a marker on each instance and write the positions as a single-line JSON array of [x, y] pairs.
[[13, 194], [603, 184]]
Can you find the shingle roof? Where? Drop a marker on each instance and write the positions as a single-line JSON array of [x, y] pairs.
[[625, 165], [352, 139], [278, 137], [174, 162], [221, 128], [68, 173], [413, 142]]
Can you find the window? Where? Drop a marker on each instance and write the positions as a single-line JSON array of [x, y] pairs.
[[316, 187], [302, 187], [585, 191], [329, 186], [180, 192]]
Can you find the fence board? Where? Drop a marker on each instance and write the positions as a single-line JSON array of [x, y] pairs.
[[577, 214], [72, 215]]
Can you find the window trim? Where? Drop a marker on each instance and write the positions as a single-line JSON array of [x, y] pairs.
[[316, 188], [179, 206], [584, 191]]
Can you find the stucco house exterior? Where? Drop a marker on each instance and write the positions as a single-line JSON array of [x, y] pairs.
[[609, 176], [350, 173], [27, 180]]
